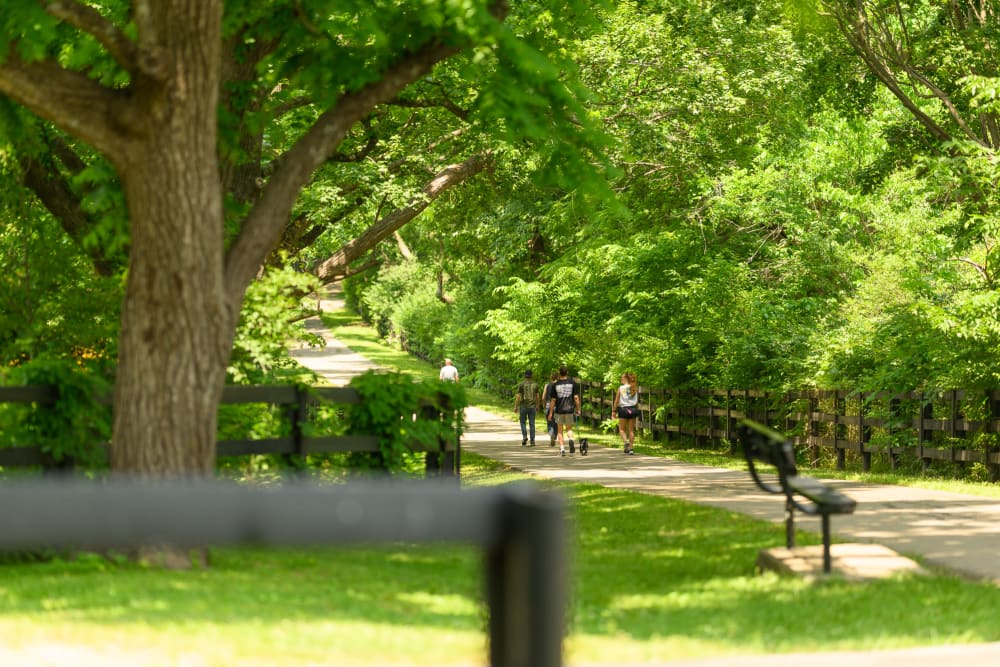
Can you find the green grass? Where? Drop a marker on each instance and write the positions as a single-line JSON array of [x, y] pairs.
[[652, 579], [673, 579]]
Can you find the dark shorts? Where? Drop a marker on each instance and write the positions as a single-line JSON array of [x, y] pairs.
[[628, 412]]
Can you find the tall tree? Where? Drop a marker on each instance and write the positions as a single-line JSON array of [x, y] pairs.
[[924, 53], [179, 96]]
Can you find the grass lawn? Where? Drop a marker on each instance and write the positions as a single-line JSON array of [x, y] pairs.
[[653, 579]]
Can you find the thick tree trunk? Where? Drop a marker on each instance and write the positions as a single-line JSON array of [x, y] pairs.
[[176, 330], [177, 327]]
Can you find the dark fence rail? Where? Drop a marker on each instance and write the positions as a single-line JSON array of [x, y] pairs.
[[443, 458], [520, 529], [956, 426]]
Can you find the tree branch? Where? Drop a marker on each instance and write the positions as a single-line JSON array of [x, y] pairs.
[[89, 20], [336, 266], [71, 101], [291, 105], [242, 175], [431, 104], [362, 152], [262, 228], [945, 100], [294, 244], [978, 267], [856, 31], [404, 249], [58, 198], [881, 35]]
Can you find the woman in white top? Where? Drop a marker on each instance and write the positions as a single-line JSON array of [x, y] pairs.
[[626, 406]]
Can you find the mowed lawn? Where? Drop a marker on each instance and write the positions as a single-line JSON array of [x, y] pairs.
[[652, 579]]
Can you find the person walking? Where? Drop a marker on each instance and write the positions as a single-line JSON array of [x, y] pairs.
[[564, 406], [550, 422], [526, 406], [448, 372], [626, 406]]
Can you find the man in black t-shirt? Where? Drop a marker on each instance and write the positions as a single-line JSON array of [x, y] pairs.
[[564, 406]]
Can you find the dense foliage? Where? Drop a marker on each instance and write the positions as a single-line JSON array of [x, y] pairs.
[[408, 417], [785, 216]]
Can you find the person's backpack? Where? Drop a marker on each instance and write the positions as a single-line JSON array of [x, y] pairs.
[[529, 393]]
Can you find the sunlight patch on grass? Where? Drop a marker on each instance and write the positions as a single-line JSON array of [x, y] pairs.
[[442, 604], [256, 642]]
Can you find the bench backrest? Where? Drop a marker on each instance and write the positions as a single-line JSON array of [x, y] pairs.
[[763, 444]]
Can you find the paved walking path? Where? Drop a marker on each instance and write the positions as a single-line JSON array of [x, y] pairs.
[[958, 532]]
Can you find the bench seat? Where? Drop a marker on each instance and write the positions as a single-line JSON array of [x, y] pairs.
[[827, 499]]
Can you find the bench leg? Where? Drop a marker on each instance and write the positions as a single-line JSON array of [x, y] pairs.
[[789, 524]]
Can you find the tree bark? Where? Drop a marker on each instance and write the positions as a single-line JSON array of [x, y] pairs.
[[177, 326]]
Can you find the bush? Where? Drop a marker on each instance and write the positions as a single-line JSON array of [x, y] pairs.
[[392, 407], [74, 425]]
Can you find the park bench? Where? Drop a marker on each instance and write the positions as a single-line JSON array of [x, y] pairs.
[[805, 494]]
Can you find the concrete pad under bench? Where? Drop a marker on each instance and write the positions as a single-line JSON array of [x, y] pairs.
[[854, 562]]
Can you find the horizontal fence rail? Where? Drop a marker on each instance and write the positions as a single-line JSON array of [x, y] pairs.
[[960, 426], [520, 528], [296, 401]]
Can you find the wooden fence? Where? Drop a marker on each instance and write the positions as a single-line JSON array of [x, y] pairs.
[[956, 426], [297, 401]]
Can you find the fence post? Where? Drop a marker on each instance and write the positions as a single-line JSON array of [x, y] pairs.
[[813, 430], [526, 585], [440, 463], [729, 421], [668, 412], [298, 414], [841, 454], [926, 412], [952, 425], [651, 402], [866, 456], [789, 422], [894, 407], [991, 450]]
